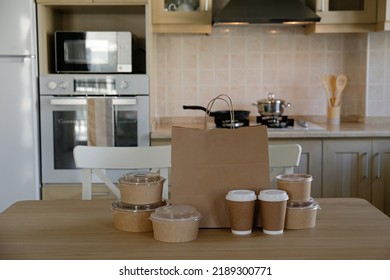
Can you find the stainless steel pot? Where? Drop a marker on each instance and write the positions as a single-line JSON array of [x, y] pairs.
[[271, 106]]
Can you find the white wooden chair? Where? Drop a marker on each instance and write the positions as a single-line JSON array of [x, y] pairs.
[[95, 160], [283, 159]]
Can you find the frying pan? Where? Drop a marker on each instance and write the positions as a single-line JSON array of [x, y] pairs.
[[222, 117]]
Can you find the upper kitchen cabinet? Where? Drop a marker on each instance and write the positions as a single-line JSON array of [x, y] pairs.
[[383, 15], [182, 16], [102, 15], [343, 16], [134, 2]]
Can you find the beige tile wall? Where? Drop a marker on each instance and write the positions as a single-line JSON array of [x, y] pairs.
[[249, 62], [378, 97]]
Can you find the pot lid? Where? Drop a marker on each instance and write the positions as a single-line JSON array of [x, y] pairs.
[[271, 99]]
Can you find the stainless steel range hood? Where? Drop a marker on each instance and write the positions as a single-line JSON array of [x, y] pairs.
[[265, 12]]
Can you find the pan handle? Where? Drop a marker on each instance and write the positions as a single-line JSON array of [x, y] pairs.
[[195, 107]]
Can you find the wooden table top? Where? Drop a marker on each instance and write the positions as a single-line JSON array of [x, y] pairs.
[[347, 228]]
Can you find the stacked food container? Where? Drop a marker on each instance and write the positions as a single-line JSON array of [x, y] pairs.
[[141, 195], [142, 209], [301, 209]]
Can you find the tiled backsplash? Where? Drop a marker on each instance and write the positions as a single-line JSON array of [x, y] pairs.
[[249, 62], [378, 97]]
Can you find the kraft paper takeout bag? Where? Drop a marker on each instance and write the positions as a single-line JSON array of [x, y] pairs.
[[206, 164]]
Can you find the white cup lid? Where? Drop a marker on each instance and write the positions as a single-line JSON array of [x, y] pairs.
[[273, 195], [241, 195]]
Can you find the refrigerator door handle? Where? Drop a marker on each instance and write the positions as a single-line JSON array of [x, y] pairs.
[[18, 56]]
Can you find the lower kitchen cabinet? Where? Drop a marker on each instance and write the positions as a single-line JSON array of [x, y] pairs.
[[311, 160], [346, 168], [380, 189], [358, 168]]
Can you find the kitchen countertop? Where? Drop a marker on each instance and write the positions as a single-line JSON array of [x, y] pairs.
[[347, 228], [348, 129]]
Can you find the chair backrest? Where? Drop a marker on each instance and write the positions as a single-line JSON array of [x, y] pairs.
[[283, 159], [93, 159]]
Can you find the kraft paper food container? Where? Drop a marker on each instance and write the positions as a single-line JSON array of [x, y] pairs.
[[301, 215], [141, 188], [175, 223], [134, 218], [297, 186]]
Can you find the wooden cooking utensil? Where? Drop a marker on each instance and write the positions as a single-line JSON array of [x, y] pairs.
[[328, 90], [332, 82], [341, 82]]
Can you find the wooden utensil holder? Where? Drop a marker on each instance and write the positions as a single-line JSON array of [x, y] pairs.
[[333, 116]]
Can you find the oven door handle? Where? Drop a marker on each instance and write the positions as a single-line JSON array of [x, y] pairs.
[[83, 101]]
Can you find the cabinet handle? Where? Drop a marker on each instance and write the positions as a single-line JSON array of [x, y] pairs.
[[378, 166], [83, 101], [365, 172], [206, 4]]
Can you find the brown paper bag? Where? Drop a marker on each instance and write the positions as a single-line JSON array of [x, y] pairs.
[[206, 164]]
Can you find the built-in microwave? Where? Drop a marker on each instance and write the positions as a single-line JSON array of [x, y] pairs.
[[93, 52]]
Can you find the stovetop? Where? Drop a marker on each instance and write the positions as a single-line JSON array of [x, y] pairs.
[[309, 126], [283, 123]]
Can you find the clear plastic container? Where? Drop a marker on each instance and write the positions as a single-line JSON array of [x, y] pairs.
[[175, 223], [141, 188]]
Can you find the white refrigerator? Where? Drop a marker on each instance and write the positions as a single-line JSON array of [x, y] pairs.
[[19, 146]]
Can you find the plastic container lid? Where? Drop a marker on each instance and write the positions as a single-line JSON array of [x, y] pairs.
[[141, 178], [309, 205], [125, 207], [273, 195], [241, 195], [295, 177], [173, 213]]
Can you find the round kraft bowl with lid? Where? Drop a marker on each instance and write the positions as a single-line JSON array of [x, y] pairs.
[[301, 215], [141, 188], [175, 223], [297, 186], [134, 218]]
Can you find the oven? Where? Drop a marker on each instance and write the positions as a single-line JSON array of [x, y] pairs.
[[120, 118]]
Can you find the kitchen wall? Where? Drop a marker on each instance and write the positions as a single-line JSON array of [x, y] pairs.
[[378, 90], [249, 62]]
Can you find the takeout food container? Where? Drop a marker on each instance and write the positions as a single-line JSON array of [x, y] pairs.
[[141, 188], [175, 223], [297, 186], [134, 218], [301, 215]]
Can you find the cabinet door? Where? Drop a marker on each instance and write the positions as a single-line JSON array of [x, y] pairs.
[[345, 11], [113, 2], [381, 175], [310, 163], [62, 1], [346, 168], [188, 16]]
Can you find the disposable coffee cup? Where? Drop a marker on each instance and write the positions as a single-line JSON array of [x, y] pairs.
[[241, 206], [273, 205]]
